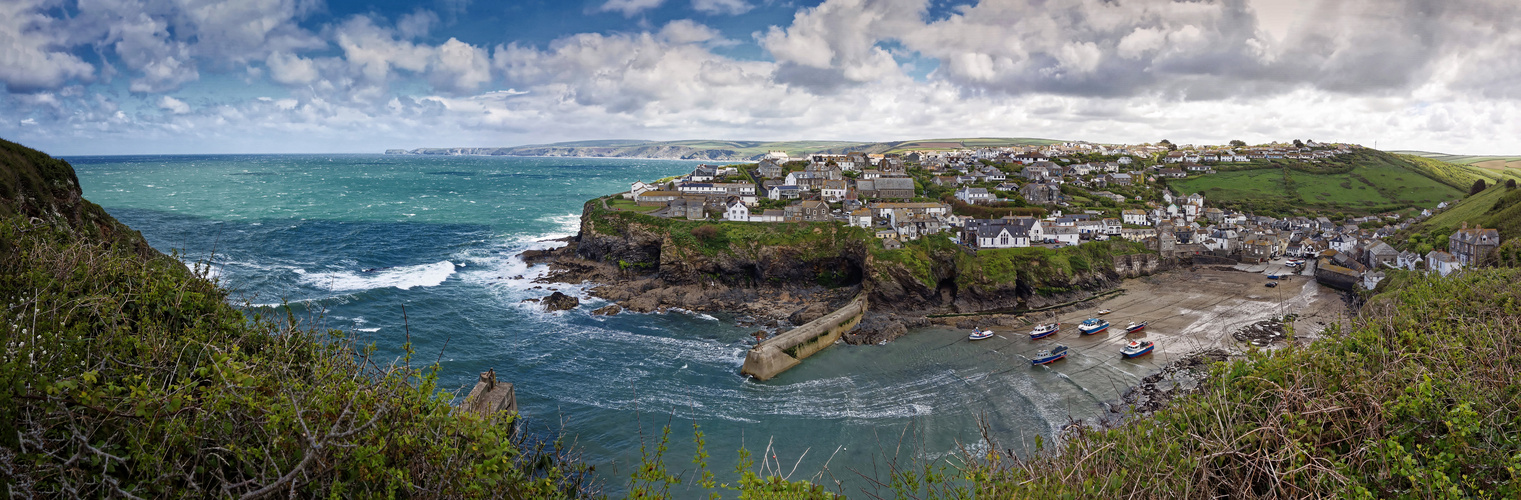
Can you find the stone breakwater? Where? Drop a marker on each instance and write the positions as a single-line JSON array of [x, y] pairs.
[[782, 352]]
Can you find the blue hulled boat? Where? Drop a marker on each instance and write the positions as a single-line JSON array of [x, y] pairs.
[[1049, 355], [979, 334], [1043, 331], [1135, 327], [1137, 348], [1092, 326]]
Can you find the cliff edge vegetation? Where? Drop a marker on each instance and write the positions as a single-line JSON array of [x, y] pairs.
[[123, 374]]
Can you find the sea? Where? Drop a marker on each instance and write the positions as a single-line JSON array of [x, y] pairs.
[[398, 247]]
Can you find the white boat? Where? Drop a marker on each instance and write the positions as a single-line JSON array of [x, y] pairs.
[[1105, 311], [1043, 331], [979, 334], [1137, 348]]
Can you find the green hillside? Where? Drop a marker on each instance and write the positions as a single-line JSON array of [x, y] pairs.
[[1365, 181], [1500, 165], [1498, 207]]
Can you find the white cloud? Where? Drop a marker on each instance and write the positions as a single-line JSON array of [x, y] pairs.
[[173, 105], [1359, 70], [291, 69], [460, 67], [32, 53], [730, 7], [630, 7]]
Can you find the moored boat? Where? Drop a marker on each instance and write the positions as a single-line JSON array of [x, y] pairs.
[[979, 334], [1043, 331], [1092, 326], [1104, 311], [1049, 355], [1137, 348], [1135, 327]]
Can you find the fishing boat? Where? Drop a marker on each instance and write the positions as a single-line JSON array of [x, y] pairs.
[[1135, 327], [1049, 355], [1092, 326], [1104, 311], [1137, 348], [1043, 331], [979, 334]]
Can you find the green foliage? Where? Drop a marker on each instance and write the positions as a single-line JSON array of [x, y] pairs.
[[1496, 207], [124, 376], [1364, 181], [1420, 399], [1040, 268]]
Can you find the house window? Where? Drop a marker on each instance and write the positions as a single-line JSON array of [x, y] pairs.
[[1003, 240]]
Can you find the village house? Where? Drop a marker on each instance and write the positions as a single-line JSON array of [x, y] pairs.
[[1134, 216], [1015, 232], [807, 211], [833, 190], [1041, 193], [736, 210], [974, 196], [894, 188], [1172, 173], [770, 169], [784, 192], [861, 217], [1442, 262], [1470, 245]]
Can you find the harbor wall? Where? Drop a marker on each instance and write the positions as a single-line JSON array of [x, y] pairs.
[[782, 352]]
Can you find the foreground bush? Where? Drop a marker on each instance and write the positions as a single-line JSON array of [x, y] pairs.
[[125, 376], [1420, 400]]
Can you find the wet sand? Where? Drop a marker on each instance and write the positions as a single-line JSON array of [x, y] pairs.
[[1192, 310]]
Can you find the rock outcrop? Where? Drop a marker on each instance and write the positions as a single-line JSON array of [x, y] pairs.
[[559, 302]]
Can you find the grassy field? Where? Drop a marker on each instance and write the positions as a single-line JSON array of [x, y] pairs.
[[1504, 164], [629, 205], [1498, 207], [1374, 182]]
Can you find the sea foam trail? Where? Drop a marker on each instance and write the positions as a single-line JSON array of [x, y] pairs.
[[405, 277]]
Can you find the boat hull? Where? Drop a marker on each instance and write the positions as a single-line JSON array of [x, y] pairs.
[[1139, 353], [1034, 336], [1086, 331], [1048, 360], [1136, 328], [974, 336]]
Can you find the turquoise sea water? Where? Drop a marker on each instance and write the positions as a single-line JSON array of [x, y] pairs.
[[442, 235]]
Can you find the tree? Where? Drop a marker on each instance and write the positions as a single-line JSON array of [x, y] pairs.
[[1298, 143], [1510, 184], [1478, 187], [1238, 143]]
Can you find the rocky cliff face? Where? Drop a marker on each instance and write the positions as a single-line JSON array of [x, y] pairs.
[[652, 263], [958, 289]]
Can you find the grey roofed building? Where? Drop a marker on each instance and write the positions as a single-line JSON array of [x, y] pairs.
[[894, 187]]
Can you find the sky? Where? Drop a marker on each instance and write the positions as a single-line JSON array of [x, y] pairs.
[[82, 77]]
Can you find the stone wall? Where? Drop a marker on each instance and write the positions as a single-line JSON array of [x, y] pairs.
[[784, 351]]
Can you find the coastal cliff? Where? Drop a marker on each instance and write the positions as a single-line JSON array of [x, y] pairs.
[[789, 271]]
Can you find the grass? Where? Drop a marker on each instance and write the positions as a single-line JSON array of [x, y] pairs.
[[631, 206], [1497, 207], [1362, 182]]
